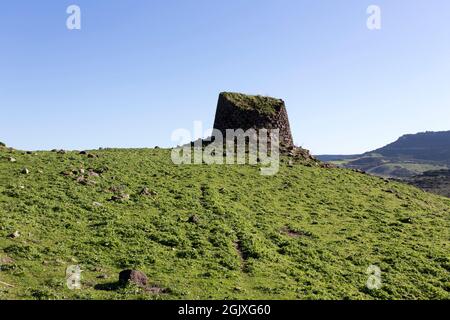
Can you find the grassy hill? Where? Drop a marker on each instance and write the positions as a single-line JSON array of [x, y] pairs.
[[214, 232]]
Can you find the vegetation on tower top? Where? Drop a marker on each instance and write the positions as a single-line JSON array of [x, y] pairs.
[[262, 104]]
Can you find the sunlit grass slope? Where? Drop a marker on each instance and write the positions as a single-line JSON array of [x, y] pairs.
[[213, 232]]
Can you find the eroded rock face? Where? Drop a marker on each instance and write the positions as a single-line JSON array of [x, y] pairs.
[[240, 111]]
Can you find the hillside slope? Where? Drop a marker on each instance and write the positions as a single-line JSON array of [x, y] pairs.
[[213, 232], [432, 146], [409, 156], [433, 181]]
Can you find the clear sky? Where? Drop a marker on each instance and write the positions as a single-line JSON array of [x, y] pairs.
[[139, 69]]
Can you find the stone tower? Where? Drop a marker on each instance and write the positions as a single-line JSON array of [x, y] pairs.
[[240, 111]]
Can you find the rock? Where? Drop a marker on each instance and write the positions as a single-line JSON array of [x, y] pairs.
[[11, 159], [14, 235], [193, 219], [115, 189], [97, 204], [92, 173], [120, 197], [82, 180], [408, 220], [133, 276], [147, 192], [67, 173], [6, 260], [25, 171], [92, 156]]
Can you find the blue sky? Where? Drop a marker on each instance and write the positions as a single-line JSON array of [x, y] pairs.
[[138, 70]]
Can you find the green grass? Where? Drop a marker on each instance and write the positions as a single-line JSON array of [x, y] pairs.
[[417, 168], [263, 105], [306, 233]]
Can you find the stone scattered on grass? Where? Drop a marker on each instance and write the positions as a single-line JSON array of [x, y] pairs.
[[408, 220], [25, 171], [147, 192], [139, 279], [133, 276], [6, 260], [328, 166], [11, 159], [14, 235], [84, 181], [120, 197], [194, 219], [92, 173]]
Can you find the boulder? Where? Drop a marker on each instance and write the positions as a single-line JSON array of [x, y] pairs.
[[147, 192], [193, 219], [133, 276], [14, 235]]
